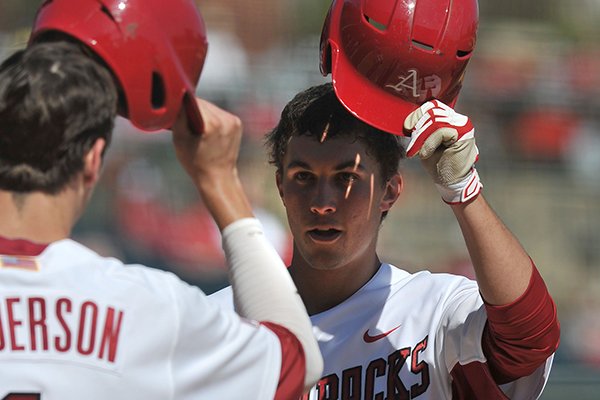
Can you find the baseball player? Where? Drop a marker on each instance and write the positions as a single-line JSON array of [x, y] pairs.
[[75, 325], [385, 333]]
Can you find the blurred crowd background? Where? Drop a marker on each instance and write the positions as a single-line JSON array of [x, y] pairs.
[[532, 90]]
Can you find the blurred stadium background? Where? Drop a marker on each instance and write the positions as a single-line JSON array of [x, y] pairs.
[[532, 91]]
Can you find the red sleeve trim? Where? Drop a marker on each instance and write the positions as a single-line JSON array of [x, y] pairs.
[[474, 381], [293, 364], [520, 336]]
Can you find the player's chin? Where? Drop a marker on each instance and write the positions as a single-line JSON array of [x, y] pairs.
[[322, 256], [325, 262]]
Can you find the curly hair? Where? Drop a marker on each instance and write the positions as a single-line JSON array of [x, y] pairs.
[[55, 102], [317, 109]]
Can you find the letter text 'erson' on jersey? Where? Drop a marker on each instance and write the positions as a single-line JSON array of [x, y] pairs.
[[380, 379], [60, 328]]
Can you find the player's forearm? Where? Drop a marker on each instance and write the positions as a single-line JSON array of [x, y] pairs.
[[224, 197], [264, 291], [210, 159], [502, 266]]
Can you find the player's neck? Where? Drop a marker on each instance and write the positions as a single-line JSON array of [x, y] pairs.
[[322, 290], [37, 217]]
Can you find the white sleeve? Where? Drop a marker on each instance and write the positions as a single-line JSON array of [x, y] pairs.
[[264, 291], [462, 326]]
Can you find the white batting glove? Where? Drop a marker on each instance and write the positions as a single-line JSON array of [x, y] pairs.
[[444, 140]]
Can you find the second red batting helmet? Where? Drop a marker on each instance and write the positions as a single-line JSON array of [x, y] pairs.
[[387, 57], [155, 49]]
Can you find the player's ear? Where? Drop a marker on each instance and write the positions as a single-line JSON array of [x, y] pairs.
[[393, 189], [92, 163]]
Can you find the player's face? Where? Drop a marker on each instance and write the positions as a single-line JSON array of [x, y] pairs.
[[334, 198]]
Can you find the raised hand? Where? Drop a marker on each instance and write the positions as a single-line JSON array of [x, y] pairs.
[[444, 140], [210, 158]]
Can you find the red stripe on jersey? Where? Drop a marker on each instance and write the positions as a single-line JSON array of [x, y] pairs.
[[293, 364], [20, 247], [520, 336]]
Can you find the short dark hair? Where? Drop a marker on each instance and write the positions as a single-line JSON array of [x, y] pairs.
[[317, 109], [55, 102]]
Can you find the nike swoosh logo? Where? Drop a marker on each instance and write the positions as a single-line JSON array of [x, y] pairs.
[[370, 339]]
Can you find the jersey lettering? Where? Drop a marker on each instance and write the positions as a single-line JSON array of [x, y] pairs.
[[37, 322], [85, 329], [395, 386], [351, 383], [356, 384], [419, 368], [89, 313], [63, 306], [327, 387], [376, 369]]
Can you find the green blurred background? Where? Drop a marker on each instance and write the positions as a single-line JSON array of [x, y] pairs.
[[532, 91]]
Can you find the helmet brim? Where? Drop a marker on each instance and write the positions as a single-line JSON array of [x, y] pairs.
[[365, 100]]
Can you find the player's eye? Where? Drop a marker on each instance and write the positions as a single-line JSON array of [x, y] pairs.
[[302, 176], [348, 177]]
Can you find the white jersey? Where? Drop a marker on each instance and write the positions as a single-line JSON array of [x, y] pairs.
[[74, 325], [402, 336]]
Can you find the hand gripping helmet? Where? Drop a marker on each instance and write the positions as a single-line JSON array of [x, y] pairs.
[[387, 57], [155, 49]]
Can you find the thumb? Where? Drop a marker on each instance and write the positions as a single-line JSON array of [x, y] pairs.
[[411, 121]]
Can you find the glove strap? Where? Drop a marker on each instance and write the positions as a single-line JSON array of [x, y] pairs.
[[463, 191]]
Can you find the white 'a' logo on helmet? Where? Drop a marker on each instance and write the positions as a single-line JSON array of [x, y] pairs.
[[421, 89]]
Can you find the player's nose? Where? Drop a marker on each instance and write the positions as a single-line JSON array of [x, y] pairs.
[[323, 200]]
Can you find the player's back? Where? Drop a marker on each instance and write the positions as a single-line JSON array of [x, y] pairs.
[[76, 325]]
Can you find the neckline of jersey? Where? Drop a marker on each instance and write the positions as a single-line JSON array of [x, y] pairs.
[[21, 247]]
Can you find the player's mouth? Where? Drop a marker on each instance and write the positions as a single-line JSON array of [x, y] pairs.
[[324, 235]]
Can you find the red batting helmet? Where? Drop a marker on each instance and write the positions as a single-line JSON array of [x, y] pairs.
[[155, 48], [387, 57]]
